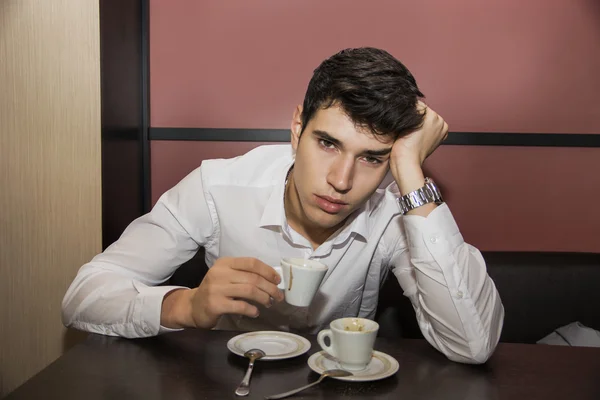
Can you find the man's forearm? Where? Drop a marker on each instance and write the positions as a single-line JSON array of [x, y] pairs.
[[108, 303], [458, 308]]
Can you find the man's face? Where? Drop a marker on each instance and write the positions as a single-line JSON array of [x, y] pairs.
[[338, 167]]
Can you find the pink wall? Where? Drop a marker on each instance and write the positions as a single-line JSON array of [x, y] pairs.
[[503, 65], [506, 66], [170, 161], [503, 198]]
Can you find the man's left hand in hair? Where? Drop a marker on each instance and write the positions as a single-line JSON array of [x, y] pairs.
[[409, 153]]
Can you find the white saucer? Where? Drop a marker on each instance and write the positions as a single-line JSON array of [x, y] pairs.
[[381, 366], [276, 345]]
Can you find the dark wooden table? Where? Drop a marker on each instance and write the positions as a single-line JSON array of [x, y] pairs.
[[197, 365]]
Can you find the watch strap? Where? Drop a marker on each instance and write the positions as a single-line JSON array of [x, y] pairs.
[[429, 193]]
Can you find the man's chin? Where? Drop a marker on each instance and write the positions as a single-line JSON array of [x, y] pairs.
[[325, 220]]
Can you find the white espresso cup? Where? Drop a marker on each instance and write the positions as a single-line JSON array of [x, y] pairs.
[[300, 279], [351, 341]]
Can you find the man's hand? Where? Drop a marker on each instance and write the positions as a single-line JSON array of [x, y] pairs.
[[409, 153], [419, 145], [228, 287]]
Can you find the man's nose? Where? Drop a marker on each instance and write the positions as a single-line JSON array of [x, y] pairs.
[[341, 174]]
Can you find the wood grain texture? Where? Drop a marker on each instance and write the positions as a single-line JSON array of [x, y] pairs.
[[50, 216]]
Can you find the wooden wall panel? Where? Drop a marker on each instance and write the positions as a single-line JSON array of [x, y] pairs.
[[49, 173]]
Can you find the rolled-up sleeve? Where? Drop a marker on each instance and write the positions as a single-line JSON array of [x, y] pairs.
[[116, 293], [458, 308]]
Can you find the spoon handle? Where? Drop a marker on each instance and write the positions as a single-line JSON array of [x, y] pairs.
[[291, 392], [244, 388]]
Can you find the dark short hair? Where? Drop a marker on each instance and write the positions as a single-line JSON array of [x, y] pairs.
[[374, 89]]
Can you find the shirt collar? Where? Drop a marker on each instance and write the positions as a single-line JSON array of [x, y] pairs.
[[274, 212]]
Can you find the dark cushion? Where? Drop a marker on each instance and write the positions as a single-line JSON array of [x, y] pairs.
[[540, 292], [191, 273]]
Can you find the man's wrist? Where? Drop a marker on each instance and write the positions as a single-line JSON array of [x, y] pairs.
[[408, 176], [176, 309], [421, 199]]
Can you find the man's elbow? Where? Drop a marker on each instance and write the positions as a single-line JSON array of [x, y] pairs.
[[70, 305], [478, 357], [480, 351]]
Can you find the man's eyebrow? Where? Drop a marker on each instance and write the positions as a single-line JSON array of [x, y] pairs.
[[377, 153], [371, 153], [326, 136]]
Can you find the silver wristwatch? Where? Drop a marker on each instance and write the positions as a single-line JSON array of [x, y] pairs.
[[425, 195]]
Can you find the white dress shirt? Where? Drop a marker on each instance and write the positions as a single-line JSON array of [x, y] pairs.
[[234, 207]]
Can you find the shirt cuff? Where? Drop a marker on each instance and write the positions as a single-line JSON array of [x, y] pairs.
[[151, 298], [438, 230]]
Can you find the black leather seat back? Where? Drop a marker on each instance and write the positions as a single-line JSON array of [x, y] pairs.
[[540, 292]]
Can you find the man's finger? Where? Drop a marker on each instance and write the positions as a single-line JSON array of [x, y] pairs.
[[248, 292], [249, 278], [237, 307], [256, 266]]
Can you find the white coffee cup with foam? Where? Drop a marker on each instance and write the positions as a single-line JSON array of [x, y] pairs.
[[351, 341]]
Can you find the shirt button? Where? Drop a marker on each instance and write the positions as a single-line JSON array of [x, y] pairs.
[[147, 330], [434, 239], [459, 294]]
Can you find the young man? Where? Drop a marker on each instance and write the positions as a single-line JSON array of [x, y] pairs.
[[319, 198]]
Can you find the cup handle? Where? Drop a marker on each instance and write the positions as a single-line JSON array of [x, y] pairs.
[[321, 340], [279, 271]]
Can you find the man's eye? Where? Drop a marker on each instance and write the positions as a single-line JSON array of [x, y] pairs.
[[373, 160], [326, 144]]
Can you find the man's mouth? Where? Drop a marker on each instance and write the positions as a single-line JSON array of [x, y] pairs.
[[330, 205]]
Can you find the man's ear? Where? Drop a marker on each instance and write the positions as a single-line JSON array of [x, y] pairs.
[[296, 128]]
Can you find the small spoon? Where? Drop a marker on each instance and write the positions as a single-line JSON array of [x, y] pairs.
[[325, 374], [253, 355]]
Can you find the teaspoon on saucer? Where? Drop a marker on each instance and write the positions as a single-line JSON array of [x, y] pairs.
[[253, 355], [325, 374]]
